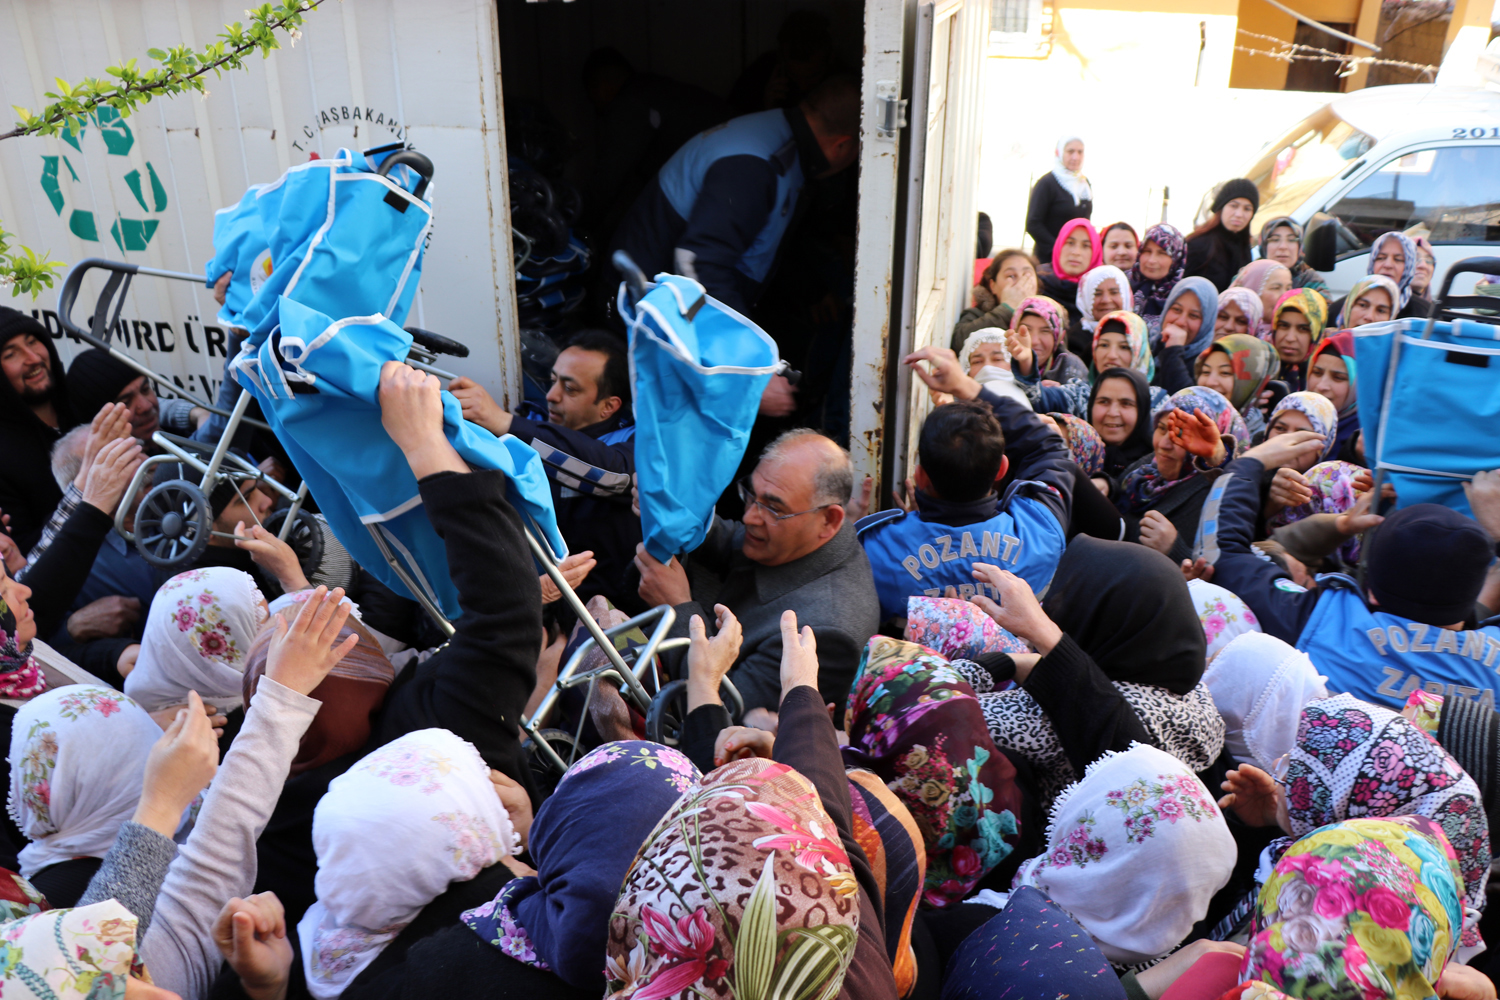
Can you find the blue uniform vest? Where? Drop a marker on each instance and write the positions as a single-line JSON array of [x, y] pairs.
[[911, 557], [767, 135], [1382, 658]]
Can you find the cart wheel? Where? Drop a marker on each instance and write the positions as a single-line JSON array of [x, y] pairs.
[[669, 707], [306, 537], [172, 525], [543, 771]]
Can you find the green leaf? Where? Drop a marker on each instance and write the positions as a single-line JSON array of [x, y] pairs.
[[810, 964], [62, 85], [755, 947], [156, 54]]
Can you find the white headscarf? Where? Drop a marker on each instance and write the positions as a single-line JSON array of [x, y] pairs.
[[1261, 685], [197, 634], [1135, 851], [391, 834], [1073, 182], [988, 335], [1089, 284], [77, 763]]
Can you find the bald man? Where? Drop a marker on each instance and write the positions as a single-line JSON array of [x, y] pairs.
[[794, 549]]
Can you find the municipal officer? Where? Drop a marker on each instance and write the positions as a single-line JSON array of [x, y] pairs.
[[965, 447], [1412, 624]]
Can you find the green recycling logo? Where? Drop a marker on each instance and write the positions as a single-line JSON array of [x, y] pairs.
[[129, 234]]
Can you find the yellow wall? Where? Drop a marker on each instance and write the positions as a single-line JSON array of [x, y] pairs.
[[1265, 73]]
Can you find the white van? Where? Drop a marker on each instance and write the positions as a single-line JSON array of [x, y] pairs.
[[1389, 158]]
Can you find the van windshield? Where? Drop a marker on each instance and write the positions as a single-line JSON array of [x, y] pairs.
[[1308, 156]]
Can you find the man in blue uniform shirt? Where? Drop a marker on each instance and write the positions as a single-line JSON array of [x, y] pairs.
[[964, 448], [1413, 623]]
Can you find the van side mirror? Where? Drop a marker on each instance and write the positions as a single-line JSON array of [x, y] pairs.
[[1320, 243]]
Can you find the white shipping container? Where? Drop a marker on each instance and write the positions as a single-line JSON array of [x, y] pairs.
[[368, 72]]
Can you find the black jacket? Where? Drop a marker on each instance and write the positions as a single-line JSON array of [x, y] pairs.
[[1181, 505], [1218, 256], [28, 493], [599, 521], [1050, 207], [476, 685]]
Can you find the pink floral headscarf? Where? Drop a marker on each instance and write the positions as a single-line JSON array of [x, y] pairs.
[[197, 638]]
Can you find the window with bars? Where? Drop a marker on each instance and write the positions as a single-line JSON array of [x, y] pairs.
[[1011, 17]]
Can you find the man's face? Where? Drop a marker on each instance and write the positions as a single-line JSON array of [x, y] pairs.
[[573, 399], [140, 397], [27, 366], [784, 485], [253, 509]]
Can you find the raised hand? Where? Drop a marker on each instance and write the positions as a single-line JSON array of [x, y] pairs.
[[411, 411], [799, 654], [302, 653], [251, 935], [1287, 449], [180, 765], [1289, 488], [574, 568], [1252, 795], [111, 423], [479, 406], [1018, 612], [111, 473], [710, 660], [1018, 342], [273, 555], [1196, 434], [946, 373]]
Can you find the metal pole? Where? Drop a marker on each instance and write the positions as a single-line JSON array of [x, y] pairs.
[[1315, 24]]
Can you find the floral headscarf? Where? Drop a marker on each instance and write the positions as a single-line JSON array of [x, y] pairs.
[[1363, 285], [1354, 759], [1319, 412], [391, 834], [1208, 301], [1096, 254], [1309, 303], [916, 722], [1052, 313], [19, 675], [1260, 686], [83, 953], [1363, 908], [1089, 285], [887, 833], [1249, 303], [956, 629], [1255, 363], [1151, 294], [1333, 493], [1145, 484], [1409, 251], [1136, 335], [197, 636], [77, 763], [743, 887], [1084, 443], [583, 840], [1135, 851], [1223, 615]]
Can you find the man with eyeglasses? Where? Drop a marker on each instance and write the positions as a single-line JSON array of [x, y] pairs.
[[795, 549], [959, 518]]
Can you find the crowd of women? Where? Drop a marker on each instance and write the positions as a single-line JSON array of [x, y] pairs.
[[1122, 790]]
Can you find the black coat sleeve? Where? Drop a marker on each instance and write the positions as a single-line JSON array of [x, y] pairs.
[[1093, 514], [806, 741], [1172, 371], [477, 685], [609, 457], [1038, 209], [1088, 713], [60, 573]]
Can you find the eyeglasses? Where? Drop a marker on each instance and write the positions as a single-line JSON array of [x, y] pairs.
[[747, 494]]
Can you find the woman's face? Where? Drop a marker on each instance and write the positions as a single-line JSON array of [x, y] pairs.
[[1043, 340], [1276, 284], [1112, 350], [1217, 373], [1426, 264], [1186, 312], [1329, 378], [1390, 261], [1283, 246], [1155, 262], [1120, 249], [987, 354], [1075, 253], [15, 595], [1372, 306], [1231, 319], [1013, 270], [1292, 337], [1293, 420], [1237, 214], [1169, 455], [1115, 411], [1107, 298], [1072, 155]]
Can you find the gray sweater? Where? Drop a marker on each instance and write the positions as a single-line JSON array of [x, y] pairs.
[[218, 860], [831, 589]]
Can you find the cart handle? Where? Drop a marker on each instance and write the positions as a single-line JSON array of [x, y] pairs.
[[420, 164], [1443, 305], [115, 288]]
